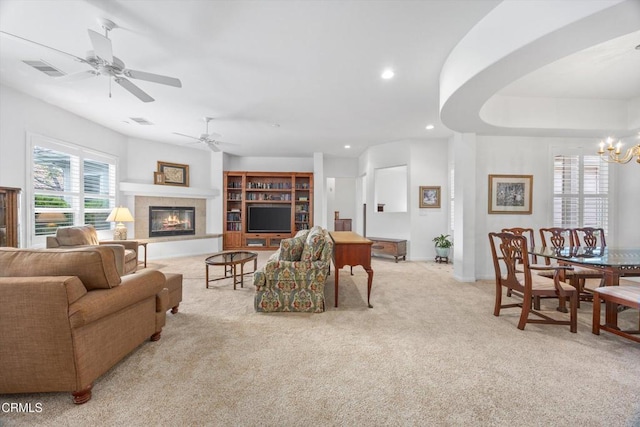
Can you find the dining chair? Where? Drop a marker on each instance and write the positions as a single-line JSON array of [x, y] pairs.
[[593, 238], [558, 237], [529, 233], [589, 236], [510, 251]]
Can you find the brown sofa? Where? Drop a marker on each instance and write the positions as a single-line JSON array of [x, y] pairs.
[[68, 317], [126, 251]]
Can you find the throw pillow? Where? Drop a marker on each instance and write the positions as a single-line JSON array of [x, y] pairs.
[[291, 249], [313, 245], [302, 233]]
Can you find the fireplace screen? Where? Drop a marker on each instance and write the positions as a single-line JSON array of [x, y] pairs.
[[171, 221]]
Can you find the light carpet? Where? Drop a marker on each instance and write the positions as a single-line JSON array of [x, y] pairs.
[[430, 353]]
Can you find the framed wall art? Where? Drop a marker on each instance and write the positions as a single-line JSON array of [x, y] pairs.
[[510, 194], [429, 197], [158, 178], [174, 173]]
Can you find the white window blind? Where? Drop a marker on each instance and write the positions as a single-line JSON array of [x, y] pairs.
[[71, 186], [581, 191]]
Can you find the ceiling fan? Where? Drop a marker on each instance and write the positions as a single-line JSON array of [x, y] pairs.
[[209, 139], [103, 63]]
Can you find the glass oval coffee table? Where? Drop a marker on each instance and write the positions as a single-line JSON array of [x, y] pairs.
[[230, 260]]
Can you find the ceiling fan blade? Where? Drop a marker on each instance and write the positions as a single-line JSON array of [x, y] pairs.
[[78, 76], [135, 90], [212, 146], [226, 143], [77, 58], [150, 77], [101, 46], [188, 136]]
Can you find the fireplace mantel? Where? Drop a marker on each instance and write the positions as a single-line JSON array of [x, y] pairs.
[[152, 190]]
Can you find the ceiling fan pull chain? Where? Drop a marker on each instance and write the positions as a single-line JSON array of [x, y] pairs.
[[109, 87]]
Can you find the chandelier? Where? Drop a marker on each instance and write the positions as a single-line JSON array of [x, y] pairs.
[[614, 152]]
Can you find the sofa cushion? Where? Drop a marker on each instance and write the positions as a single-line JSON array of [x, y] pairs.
[[95, 266], [291, 249], [313, 245], [77, 235], [130, 255]]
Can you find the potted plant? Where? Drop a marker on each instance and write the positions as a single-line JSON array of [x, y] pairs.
[[443, 245]]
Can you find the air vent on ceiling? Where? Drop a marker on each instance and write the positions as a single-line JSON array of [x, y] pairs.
[[141, 120], [48, 69]]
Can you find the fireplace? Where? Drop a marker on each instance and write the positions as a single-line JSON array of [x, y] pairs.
[[172, 221]]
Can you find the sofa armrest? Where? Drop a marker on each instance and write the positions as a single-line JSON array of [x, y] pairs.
[[36, 345], [128, 244], [297, 271], [118, 253], [162, 300], [100, 303]]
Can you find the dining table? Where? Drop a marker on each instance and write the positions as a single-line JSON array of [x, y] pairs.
[[614, 263]]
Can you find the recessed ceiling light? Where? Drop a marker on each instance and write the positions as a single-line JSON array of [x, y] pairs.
[[387, 74], [347, 146], [429, 127]]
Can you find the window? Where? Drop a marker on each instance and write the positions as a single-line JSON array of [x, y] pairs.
[[70, 186], [580, 191]]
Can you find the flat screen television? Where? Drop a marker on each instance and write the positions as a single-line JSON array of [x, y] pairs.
[[269, 219]]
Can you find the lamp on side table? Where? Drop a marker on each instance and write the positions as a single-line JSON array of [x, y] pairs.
[[120, 215]]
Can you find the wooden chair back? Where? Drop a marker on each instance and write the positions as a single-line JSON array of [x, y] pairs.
[[529, 234], [556, 237], [589, 236], [510, 251]]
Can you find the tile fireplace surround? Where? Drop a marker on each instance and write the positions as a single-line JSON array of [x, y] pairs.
[[141, 214]]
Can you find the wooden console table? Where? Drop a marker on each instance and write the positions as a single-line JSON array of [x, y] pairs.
[[351, 249], [395, 247]]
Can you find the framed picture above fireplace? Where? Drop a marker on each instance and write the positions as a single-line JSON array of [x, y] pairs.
[[174, 173]]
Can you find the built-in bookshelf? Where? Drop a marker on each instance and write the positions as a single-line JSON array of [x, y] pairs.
[[269, 197]]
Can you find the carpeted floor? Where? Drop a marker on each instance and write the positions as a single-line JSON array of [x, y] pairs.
[[430, 353]]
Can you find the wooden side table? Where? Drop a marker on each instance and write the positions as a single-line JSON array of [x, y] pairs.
[[144, 245]]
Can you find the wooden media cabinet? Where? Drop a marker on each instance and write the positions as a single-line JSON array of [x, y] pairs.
[[284, 191]]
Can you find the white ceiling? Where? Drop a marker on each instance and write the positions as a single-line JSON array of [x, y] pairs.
[[609, 70], [312, 67]]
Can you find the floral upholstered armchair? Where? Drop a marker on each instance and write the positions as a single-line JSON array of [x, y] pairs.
[[293, 278]]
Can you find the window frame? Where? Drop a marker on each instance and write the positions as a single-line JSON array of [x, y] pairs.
[[581, 152], [82, 154]]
